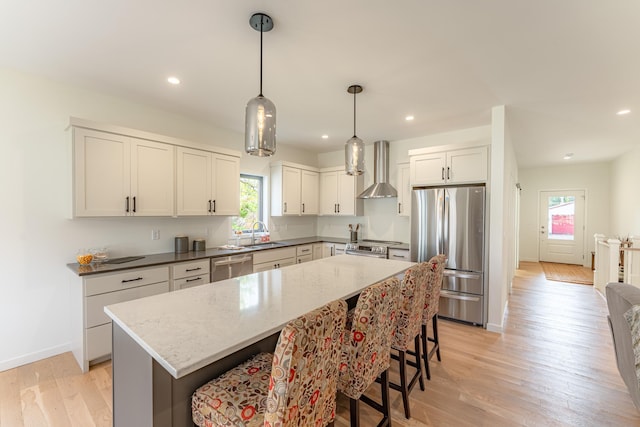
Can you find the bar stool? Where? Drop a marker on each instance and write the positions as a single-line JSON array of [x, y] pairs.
[[435, 274], [367, 347], [295, 386], [410, 306]]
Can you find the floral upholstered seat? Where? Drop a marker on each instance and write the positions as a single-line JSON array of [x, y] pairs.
[[435, 273], [295, 386], [367, 345], [407, 336]]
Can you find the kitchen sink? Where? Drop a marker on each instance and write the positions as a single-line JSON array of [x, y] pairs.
[[266, 245]]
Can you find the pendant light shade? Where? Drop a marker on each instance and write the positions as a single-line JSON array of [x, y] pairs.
[[260, 114], [354, 148]]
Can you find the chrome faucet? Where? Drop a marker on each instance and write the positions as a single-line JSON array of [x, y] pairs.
[[253, 230]]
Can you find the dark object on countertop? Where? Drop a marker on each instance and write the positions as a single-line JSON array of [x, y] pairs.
[[181, 244], [123, 260]]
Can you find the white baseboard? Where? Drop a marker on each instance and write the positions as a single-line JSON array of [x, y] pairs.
[[34, 357], [492, 327], [529, 259]]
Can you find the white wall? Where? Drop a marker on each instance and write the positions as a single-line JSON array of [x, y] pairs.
[[502, 220], [380, 221], [625, 197], [595, 178], [39, 239]]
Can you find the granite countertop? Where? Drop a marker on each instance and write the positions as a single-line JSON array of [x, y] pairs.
[[171, 257], [188, 329]]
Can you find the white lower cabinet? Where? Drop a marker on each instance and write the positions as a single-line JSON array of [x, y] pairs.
[[338, 248], [318, 250], [274, 258], [399, 254], [91, 327], [189, 274]]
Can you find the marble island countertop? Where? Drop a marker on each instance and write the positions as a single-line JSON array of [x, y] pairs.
[[189, 329], [171, 257]]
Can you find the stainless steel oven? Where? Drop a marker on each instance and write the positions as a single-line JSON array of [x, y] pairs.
[[370, 248]]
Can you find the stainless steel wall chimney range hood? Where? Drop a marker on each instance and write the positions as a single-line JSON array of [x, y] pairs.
[[381, 187]]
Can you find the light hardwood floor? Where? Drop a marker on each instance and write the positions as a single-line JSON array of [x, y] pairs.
[[553, 366]]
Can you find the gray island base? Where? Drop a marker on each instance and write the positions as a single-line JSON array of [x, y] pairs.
[[166, 346]]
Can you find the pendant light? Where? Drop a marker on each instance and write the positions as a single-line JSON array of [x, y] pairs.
[[354, 148], [260, 114]]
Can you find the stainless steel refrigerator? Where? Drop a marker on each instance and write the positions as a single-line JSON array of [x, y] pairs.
[[451, 221]]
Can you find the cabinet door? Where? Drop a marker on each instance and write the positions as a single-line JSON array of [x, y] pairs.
[[310, 185], [193, 181], [226, 185], [263, 266], [467, 166], [346, 194], [428, 169], [152, 190], [327, 250], [290, 191], [318, 251], [101, 173], [404, 190], [304, 258], [328, 193]]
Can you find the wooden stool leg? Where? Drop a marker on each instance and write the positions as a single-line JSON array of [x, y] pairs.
[[435, 337], [404, 388], [354, 405], [386, 405], [419, 361], [425, 352]]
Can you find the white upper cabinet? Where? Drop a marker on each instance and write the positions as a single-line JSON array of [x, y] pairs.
[[117, 175], [462, 166], [404, 190], [309, 192], [338, 192], [126, 172], [207, 183], [294, 189]]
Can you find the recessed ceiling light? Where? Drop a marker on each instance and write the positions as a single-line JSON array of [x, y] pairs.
[[623, 112], [325, 136], [409, 118], [568, 156], [173, 80]]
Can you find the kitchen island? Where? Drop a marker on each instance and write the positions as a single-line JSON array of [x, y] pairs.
[[165, 346]]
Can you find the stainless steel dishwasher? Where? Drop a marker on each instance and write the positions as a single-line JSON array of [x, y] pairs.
[[231, 266]]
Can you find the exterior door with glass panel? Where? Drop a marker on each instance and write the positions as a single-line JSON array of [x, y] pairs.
[[562, 226]]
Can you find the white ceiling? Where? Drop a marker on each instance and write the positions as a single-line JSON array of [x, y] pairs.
[[563, 68]]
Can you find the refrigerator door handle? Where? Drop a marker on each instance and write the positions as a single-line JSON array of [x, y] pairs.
[[460, 275], [445, 222], [453, 295]]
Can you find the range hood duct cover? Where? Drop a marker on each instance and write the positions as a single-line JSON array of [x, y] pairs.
[[381, 187]]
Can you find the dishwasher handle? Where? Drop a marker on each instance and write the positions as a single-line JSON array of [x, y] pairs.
[[233, 260]]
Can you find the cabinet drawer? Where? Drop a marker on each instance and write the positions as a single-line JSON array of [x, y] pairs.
[[188, 269], [304, 250], [264, 266], [95, 304], [270, 255], [304, 258], [98, 341], [189, 282], [399, 254], [124, 280]]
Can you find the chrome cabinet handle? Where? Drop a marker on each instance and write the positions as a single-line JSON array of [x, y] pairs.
[[194, 269]]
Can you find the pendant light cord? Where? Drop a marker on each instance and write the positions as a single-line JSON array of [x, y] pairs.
[[261, 22], [354, 113]]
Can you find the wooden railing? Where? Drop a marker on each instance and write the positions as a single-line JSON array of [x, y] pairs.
[[607, 261], [614, 263]]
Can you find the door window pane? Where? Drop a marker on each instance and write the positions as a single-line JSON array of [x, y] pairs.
[[561, 217]]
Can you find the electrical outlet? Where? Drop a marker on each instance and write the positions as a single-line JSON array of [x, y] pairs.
[[155, 234]]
